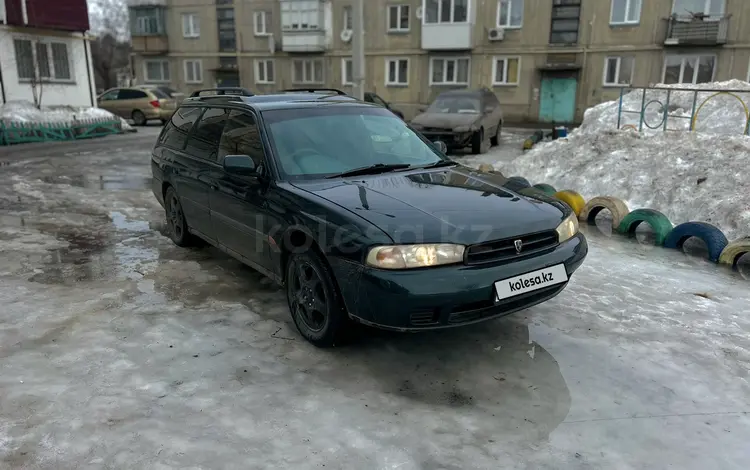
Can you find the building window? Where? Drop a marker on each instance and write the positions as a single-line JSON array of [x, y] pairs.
[[449, 71], [446, 11], [398, 18], [691, 7], [565, 21], [510, 13], [618, 71], [262, 23], [347, 71], [396, 72], [147, 21], [625, 12], [191, 27], [689, 69], [264, 73], [193, 71], [348, 20], [156, 70], [227, 36], [302, 15], [307, 71], [42, 61], [506, 71]]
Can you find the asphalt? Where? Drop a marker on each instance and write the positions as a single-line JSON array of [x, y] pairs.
[[120, 350]]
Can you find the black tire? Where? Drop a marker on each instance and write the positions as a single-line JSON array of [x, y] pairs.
[[496, 140], [177, 227], [314, 301], [139, 119], [476, 142]]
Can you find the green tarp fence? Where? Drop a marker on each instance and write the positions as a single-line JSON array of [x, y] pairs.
[[18, 132]]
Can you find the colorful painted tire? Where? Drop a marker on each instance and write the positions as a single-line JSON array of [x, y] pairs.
[[734, 251], [572, 199], [659, 223], [545, 188], [486, 168], [616, 207], [520, 181], [713, 238]]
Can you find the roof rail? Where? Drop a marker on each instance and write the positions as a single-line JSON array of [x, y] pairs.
[[314, 90], [235, 91]]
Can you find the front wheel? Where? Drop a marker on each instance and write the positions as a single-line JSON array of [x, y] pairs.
[[314, 302], [477, 141]]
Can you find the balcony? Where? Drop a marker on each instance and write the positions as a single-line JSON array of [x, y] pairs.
[[447, 36], [697, 30], [150, 45], [304, 25], [148, 29]]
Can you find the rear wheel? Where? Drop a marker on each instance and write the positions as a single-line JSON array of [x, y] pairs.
[[477, 141], [139, 119], [177, 227], [314, 302]]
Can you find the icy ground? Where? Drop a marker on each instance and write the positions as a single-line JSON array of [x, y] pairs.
[[700, 176], [121, 350]]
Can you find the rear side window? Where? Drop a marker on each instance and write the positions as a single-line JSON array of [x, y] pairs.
[[179, 127], [204, 141], [159, 94], [241, 137], [132, 94]]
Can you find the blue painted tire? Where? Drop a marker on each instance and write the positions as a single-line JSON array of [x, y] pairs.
[[521, 181], [714, 239]]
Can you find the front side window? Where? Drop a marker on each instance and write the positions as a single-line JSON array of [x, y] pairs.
[[307, 71], [446, 11], [204, 140], [618, 71], [689, 69], [625, 12], [242, 137], [510, 14], [449, 71], [302, 15], [304, 147]]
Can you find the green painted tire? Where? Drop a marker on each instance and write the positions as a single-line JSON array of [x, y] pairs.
[[545, 188], [658, 222]]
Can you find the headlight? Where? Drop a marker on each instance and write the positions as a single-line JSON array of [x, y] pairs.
[[568, 228], [414, 256]]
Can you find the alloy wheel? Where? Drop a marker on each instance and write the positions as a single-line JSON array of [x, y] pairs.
[[308, 296]]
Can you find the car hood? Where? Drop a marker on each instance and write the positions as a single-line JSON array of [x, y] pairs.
[[445, 120], [448, 205]]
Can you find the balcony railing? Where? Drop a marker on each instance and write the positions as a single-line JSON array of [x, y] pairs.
[[697, 30]]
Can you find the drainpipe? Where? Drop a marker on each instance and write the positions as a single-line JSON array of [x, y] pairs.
[[2, 84], [88, 69]]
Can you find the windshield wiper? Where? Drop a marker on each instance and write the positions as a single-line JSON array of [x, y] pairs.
[[438, 164], [372, 169]]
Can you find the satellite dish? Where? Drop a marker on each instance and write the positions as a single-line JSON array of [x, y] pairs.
[[346, 35]]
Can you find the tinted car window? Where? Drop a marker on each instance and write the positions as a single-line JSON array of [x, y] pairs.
[[131, 94], [179, 127], [241, 137], [159, 94], [110, 95], [204, 140]]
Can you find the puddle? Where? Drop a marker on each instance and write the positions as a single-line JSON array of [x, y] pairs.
[[122, 222], [102, 182]]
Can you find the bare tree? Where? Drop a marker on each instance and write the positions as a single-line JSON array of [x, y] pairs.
[[110, 51]]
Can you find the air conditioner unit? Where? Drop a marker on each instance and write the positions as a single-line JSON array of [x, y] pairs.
[[346, 35], [496, 34]]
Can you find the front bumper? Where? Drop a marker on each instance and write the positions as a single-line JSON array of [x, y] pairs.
[[451, 139], [449, 296]]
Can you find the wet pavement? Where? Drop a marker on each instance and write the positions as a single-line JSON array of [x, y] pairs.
[[120, 350]]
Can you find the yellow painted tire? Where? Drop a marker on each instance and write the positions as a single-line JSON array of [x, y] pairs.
[[615, 206], [572, 199], [486, 168], [732, 252]]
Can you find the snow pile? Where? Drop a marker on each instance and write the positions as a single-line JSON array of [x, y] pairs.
[[25, 111], [690, 176], [722, 114]]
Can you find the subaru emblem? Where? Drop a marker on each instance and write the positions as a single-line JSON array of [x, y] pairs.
[[518, 244]]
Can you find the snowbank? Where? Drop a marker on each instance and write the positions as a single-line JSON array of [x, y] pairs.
[[690, 176], [25, 111]]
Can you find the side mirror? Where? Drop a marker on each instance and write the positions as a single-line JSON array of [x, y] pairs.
[[440, 145], [241, 165]]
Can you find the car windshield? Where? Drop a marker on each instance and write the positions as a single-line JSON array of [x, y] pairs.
[[455, 105], [319, 142]]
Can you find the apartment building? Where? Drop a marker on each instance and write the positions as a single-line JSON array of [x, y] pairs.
[[547, 60], [45, 55]]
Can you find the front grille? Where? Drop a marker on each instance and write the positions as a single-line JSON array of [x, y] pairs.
[[506, 306], [437, 129], [424, 317], [505, 250]]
